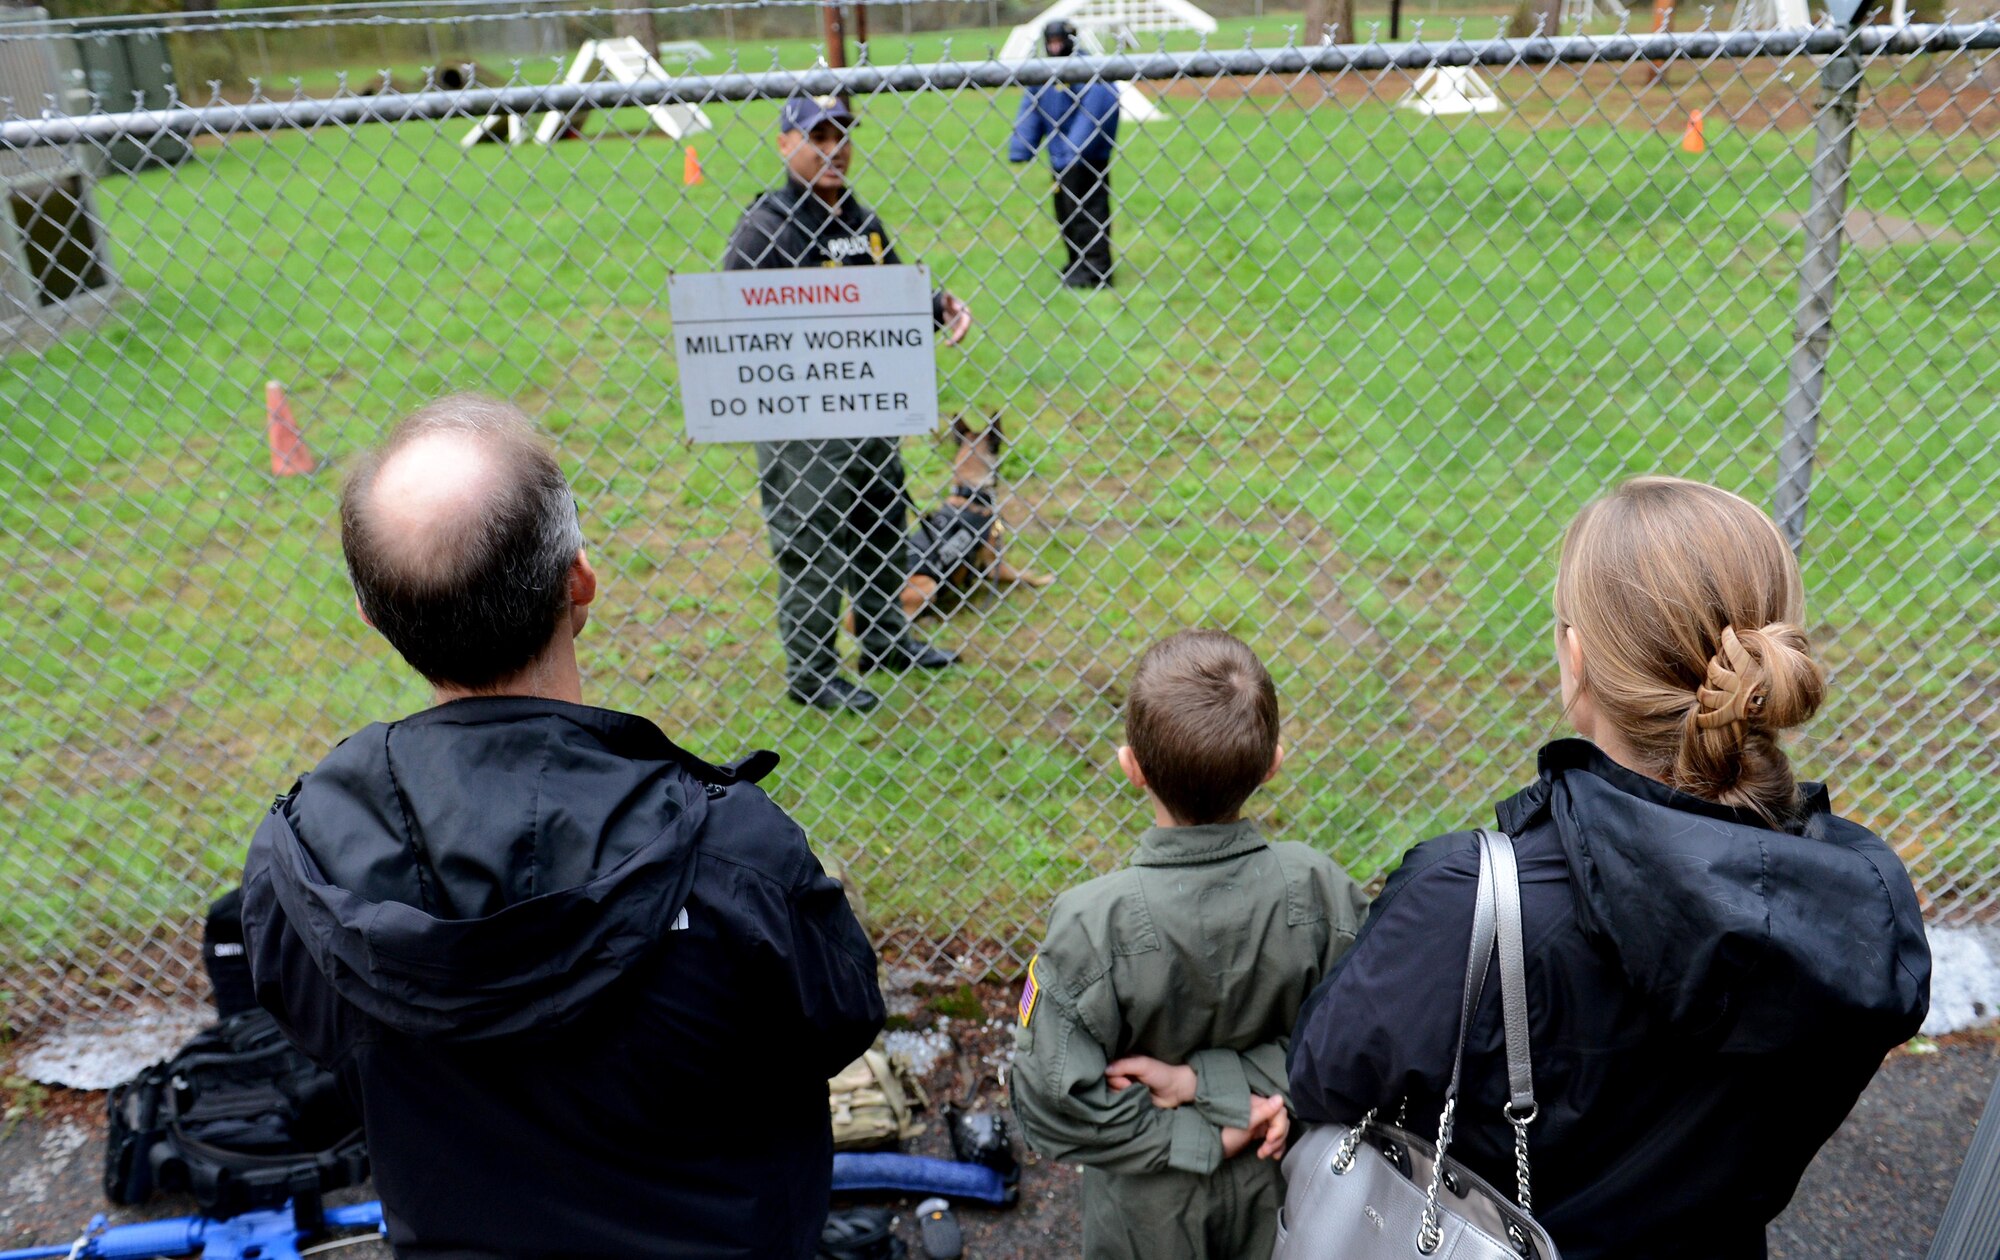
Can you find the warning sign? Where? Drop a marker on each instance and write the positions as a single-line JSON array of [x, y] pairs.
[[818, 352]]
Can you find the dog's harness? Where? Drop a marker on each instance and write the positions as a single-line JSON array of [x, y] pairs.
[[945, 539]]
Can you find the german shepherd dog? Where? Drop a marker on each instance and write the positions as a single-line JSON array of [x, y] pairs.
[[956, 547]]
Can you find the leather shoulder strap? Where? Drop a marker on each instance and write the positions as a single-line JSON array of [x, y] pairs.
[[1478, 957], [1497, 855]]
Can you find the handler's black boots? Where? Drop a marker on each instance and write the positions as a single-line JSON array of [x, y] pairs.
[[909, 654], [835, 695], [1087, 278]]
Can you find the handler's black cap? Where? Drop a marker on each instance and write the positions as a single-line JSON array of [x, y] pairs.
[[1060, 29], [803, 113]]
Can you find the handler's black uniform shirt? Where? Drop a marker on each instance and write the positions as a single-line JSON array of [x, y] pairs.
[[792, 227]]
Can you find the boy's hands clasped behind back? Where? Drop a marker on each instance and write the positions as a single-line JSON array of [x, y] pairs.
[[1173, 1085], [1170, 1084]]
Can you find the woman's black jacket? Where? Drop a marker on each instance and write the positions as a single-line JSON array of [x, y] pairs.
[[1708, 996]]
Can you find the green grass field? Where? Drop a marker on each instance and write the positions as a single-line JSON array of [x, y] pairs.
[[1361, 369]]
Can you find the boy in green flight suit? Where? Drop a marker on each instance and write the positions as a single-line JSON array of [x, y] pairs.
[[1154, 1022]]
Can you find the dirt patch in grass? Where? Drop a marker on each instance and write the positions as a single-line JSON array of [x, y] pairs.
[[1751, 95], [1875, 229]]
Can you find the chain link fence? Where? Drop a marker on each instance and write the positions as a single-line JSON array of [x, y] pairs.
[[1361, 365]]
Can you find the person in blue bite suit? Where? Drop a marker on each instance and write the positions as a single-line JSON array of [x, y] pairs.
[[1080, 126]]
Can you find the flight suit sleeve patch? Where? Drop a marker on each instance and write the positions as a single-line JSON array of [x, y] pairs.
[[1031, 992]]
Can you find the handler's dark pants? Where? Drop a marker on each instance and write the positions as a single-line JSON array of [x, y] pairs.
[[838, 521], [1083, 209]]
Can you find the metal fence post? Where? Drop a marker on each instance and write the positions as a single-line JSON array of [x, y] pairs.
[[1819, 278], [1970, 1227]]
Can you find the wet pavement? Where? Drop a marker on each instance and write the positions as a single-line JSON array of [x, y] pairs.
[[1875, 1192]]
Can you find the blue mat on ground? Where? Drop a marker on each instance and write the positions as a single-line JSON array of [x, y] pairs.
[[918, 1174]]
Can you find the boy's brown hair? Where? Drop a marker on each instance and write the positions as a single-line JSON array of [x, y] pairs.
[[1202, 719]]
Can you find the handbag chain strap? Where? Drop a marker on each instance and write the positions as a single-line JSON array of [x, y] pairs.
[[1343, 1159], [1496, 923], [1478, 956]]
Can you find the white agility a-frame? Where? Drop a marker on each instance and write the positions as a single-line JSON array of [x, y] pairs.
[[1770, 15], [1443, 90], [1577, 14], [623, 60], [1105, 26]]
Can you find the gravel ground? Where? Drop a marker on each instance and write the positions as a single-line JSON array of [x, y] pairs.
[[1875, 1192], [1878, 1188]]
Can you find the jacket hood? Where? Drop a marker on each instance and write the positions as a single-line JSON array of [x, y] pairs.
[[490, 865], [1740, 935]]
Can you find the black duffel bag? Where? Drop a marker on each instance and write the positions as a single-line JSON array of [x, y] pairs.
[[238, 1118]]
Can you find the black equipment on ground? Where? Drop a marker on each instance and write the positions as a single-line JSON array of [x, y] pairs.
[[980, 1137], [938, 1230], [222, 956], [237, 1117], [863, 1233]]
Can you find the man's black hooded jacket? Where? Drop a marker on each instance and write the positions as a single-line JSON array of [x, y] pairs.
[[587, 987]]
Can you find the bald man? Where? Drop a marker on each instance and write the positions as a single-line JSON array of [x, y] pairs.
[[586, 987]]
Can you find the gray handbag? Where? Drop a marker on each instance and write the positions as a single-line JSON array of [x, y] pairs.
[[1376, 1191]]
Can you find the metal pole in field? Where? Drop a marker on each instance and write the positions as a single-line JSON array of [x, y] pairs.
[[1395, 20], [860, 26], [1819, 278], [836, 36], [1663, 21]]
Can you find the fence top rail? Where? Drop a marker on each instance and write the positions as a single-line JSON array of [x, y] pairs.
[[347, 13], [489, 9], [344, 13], [302, 112]]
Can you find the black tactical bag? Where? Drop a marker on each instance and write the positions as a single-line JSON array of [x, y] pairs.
[[238, 1117], [862, 1233]]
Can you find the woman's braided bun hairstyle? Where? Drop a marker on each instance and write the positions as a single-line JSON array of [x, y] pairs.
[[1688, 605]]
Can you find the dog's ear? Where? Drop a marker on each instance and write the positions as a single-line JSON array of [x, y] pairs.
[[996, 438], [961, 432]]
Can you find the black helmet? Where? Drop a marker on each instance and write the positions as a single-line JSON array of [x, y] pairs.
[[1061, 32]]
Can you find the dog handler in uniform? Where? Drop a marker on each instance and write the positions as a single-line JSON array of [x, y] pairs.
[[835, 507]]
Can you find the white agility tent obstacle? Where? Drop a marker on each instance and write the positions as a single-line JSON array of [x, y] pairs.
[[1444, 90], [1771, 15], [623, 60], [1106, 26]]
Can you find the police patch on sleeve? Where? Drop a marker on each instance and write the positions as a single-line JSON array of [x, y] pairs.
[[1030, 991]]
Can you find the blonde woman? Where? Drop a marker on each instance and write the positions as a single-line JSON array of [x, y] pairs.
[[1716, 962]]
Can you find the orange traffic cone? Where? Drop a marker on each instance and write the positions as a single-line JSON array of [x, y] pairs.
[[690, 168], [1691, 140], [289, 456]]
